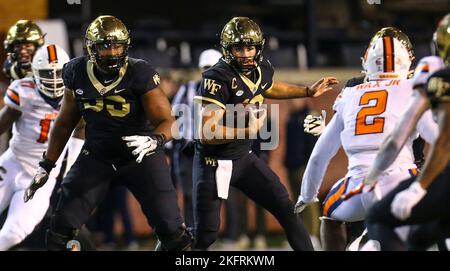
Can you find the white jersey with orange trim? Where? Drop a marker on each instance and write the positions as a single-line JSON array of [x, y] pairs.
[[32, 129], [370, 112]]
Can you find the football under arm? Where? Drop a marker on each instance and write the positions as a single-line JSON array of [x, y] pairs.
[[440, 151], [158, 110], [8, 116], [280, 90], [68, 117], [211, 131], [394, 142], [326, 148]]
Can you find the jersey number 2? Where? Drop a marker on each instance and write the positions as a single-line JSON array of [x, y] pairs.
[[377, 126]]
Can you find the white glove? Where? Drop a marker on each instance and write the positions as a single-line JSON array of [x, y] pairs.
[[302, 204], [39, 179], [145, 145], [315, 124], [404, 201]]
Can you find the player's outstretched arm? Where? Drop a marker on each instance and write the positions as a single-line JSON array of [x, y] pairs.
[[440, 150], [326, 148], [280, 90], [404, 202], [67, 119], [8, 116]]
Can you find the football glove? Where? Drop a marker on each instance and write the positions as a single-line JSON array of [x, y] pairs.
[[144, 145], [40, 178], [315, 124], [302, 204], [404, 201]]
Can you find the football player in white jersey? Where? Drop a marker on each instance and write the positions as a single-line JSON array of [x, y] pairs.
[[365, 115], [31, 106], [423, 199]]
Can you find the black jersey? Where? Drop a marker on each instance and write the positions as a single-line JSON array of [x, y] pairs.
[[438, 87], [114, 110], [222, 84]]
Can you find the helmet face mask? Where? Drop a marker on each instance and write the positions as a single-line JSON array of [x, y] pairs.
[[107, 43], [238, 33], [47, 70]]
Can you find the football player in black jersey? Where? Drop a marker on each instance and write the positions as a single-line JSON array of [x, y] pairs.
[[242, 76], [21, 42], [117, 96], [423, 199]]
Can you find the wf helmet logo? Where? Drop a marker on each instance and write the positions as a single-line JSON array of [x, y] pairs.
[[374, 2], [74, 2]]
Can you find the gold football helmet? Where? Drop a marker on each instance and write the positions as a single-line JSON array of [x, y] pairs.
[[241, 31], [442, 39], [24, 31], [22, 41], [107, 32]]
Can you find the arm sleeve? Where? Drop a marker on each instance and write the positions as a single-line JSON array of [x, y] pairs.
[[428, 128], [326, 148], [146, 78], [12, 97], [212, 90]]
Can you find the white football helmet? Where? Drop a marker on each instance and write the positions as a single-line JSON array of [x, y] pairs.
[[388, 57], [47, 70]]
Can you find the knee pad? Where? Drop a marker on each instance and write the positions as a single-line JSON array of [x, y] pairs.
[[59, 239], [180, 241]]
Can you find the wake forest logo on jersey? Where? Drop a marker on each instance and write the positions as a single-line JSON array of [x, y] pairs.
[[212, 86], [210, 162], [438, 86]]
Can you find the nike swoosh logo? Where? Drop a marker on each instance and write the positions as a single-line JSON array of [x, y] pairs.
[[109, 81], [118, 90], [264, 86]]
